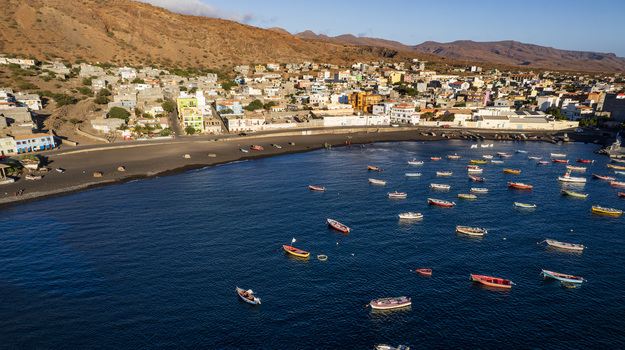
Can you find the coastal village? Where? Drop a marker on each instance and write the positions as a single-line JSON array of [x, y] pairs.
[[142, 103]]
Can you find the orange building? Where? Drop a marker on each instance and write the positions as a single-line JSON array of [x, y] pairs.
[[363, 101]]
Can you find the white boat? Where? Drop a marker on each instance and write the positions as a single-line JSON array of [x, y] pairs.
[[564, 245], [377, 182], [415, 162], [568, 178], [497, 161], [473, 146], [444, 173], [473, 231], [439, 187], [575, 168], [558, 155], [474, 170], [397, 195], [412, 174], [562, 276], [410, 215], [487, 156], [247, 296], [479, 190]]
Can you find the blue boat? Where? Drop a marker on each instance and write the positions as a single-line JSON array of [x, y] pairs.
[[243, 150], [248, 296], [520, 151], [562, 277], [412, 174]]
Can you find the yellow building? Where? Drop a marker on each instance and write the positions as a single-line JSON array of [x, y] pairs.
[[363, 100]]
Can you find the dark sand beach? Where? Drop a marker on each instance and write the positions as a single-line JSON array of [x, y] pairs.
[[156, 158]]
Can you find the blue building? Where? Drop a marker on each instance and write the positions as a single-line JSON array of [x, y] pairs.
[[34, 142]]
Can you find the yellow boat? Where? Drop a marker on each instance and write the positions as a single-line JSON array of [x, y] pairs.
[[297, 252], [616, 167], [477, 161], [606, 211], [511, 171]]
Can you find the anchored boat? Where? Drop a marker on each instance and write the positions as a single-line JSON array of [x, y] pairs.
[[466, 196], [479, 190], [574, 194], [248, 296], [618, 167], [338, 226], [568, 178], [520, 185], [511, 171], [523, 205], [562, 276], [410, 215], [439, 187], [397, 195], [584, 160], [316, 188], [377, 182], [575, 168], [617, 184], [492, 281], [444, 173], [563, 245], [440, 202], [606, 178], [427, 272], [560, 155], [412, 174], [477, 178], [606, 211], [472, 231], [390, 303], [296, 252], [415, 162]]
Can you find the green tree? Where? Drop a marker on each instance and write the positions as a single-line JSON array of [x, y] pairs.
[[138, 81], [254, 105], [427, 116], [227, 85], [101, 100], [84, 90], [183, 88], [570, 88], [64, 99], [104, 92], [87, 81], [189, 130], [226, 111], [75, 121], [166, 132], [269, 104], [119, 113], [168, 106]]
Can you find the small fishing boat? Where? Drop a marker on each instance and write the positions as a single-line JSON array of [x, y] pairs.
[[374, 168], [390, 303], [316, 188], [562, 277], [439, 187], [466, 196], [427, 272], [444, 173], [478, 161], [520, 185], [534, 157], [477, 178], [487, 156], [497, 161], [542, 162], [276, 146], [296, 252], [415, 162], [568, 178], [338, 226], [606, 211], [619, 172], [455, 156], [574, 194], [505, 156], [618, 167], [617, 160], [473, 166], [575, 168], [511, 171], [410, 215], [617, 184], [492, 281], [473, 146], [440, 202], [606, 178], [33, 177], [475, 170], [520, 151], [523, 205], [257, 148], [621, 194], [397, 195], [247, 296], [472, 231], [212, 155], [501, 153], [412, 174], [584, 160], [563, 245], [479, 190], [243, 150], [558, 155], [377, 182], [564, 161], [435, 158], [61, 170]]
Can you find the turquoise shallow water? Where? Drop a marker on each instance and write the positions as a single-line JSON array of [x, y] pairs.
[[154, 263]]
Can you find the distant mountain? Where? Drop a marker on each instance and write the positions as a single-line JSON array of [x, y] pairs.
[[511, 53]]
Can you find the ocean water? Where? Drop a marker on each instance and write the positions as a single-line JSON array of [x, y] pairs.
[[154, 263]]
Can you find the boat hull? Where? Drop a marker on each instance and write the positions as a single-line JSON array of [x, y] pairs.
[[296, 252], [606, 211], [338, 226], [390, 303], [247, 297], [562, 277], [574, 194], [520, 186], [473, 231], [492, 281]]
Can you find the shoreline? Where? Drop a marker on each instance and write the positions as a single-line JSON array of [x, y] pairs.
[[156, 159]]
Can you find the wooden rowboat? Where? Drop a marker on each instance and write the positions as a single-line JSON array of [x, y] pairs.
[[523, 205], [439, 187], [492, 281], [377, 182], [444, 173], [520, 185], [560, 161], [563, 245], [390, 303], [248, 296], [584, 160], [601, 177], [412, 174], [479, 190], [477, 161], [618, 167], [440, 202], [338, 226], [477, 178], [415, 162], [410, 215], [561, 155], [606, 211], [621, 194], [575, 168], [316, 188], [472, 231], [397, 195], [466, 196], [427, 272], [435, 158], [296, 252], [574, 194], [511, 171], [617, 184]]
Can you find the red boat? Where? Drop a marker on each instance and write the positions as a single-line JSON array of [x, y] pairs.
[[621, 194], [584, 160], [542, 162], [520, 185], [442, 203], [338, 226], [565, 161], [476, 178], [492, 281], [617, 184], [435, 158], [427, 272], [257, 148], [316, 188], [606, 178], [473, 167]]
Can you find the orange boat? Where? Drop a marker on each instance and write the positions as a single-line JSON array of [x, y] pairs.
[[492, 281], [520, 185], [427, 272]]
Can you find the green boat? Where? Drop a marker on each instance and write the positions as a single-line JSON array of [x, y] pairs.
[[466, 196], [574, 194]]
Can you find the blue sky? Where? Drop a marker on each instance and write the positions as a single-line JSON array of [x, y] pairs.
[[562, 24]]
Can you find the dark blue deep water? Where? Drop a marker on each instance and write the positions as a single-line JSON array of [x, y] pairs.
[[154, 263]]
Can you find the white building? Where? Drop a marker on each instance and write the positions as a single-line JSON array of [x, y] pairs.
[[7, 146], [245, 123], [404, 113], [355, 120]]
